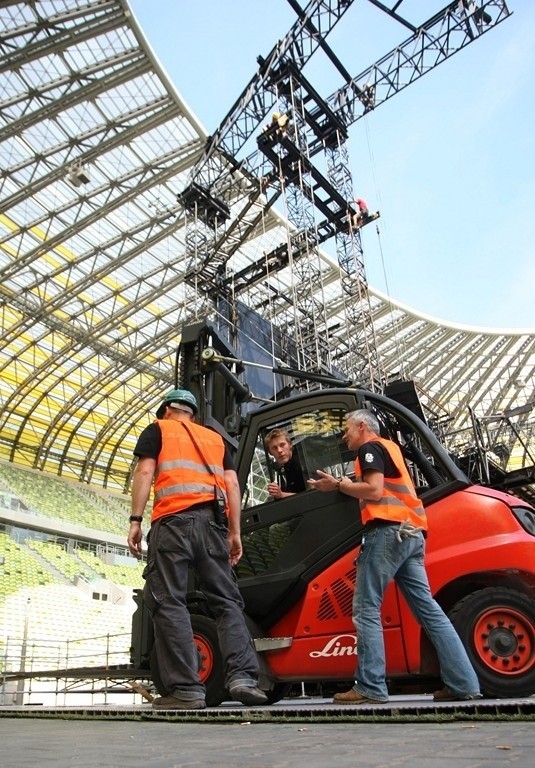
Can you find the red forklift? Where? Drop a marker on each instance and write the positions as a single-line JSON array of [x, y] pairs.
[[297, 573]]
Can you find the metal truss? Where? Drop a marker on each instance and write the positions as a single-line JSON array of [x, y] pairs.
[[430, 44], [444, 34], [321, 128], [94, 265]]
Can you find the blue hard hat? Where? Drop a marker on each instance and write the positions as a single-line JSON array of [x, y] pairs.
[[179, 396]]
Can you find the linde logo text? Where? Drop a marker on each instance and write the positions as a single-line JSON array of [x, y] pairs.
[[341, 645]]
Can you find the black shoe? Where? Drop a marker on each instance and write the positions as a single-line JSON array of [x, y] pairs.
[[445, 694], [170, 702], [251, 696]]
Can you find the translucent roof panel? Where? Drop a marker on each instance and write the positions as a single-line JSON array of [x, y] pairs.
[[95, 145]]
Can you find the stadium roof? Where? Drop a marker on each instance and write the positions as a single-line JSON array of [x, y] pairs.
[[95, 145]]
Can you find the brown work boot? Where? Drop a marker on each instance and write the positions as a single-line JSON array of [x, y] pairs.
[[171, 702], [446, 694], [354, 697]]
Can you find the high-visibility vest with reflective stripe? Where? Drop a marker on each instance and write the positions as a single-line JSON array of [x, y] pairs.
[[399, 501], [182, 478]]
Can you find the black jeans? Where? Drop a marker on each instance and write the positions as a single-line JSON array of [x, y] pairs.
[[176, 543]]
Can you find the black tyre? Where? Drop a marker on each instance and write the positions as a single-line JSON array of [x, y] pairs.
[[211, 671], [497, 627]]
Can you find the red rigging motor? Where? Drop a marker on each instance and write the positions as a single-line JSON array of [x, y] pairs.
[[297, 572]]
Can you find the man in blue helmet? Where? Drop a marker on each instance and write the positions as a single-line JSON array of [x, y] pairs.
[[195, 523]]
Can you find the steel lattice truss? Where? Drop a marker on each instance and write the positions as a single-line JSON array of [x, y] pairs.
[[95, 144]]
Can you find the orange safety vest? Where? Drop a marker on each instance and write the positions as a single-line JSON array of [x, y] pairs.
[[399, 501], [182, 478]]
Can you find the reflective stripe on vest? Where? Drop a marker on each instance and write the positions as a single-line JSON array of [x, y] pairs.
[[182, 478], [183, 488], [399, 501], [168, 465]]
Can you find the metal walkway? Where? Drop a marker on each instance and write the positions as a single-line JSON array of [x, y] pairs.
[[402, 708]]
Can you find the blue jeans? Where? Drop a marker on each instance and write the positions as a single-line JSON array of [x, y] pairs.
[[381, 559], [176, 543]]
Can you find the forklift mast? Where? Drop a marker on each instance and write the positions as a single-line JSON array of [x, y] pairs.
[[207, 364]]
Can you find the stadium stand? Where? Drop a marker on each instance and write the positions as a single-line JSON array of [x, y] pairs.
[[125, 575], [19, 569], [63, 562], [60, 499], [64, 628], [66, 598]]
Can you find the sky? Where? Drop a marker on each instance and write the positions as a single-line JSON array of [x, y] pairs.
[[449, 161]]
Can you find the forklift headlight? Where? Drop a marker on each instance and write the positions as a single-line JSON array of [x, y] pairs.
[[526, 518]]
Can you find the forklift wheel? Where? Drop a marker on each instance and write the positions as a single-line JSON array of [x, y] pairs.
[[211, 671], [497, 627]]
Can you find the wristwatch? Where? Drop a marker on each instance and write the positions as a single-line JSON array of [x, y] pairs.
[[136, 519]]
